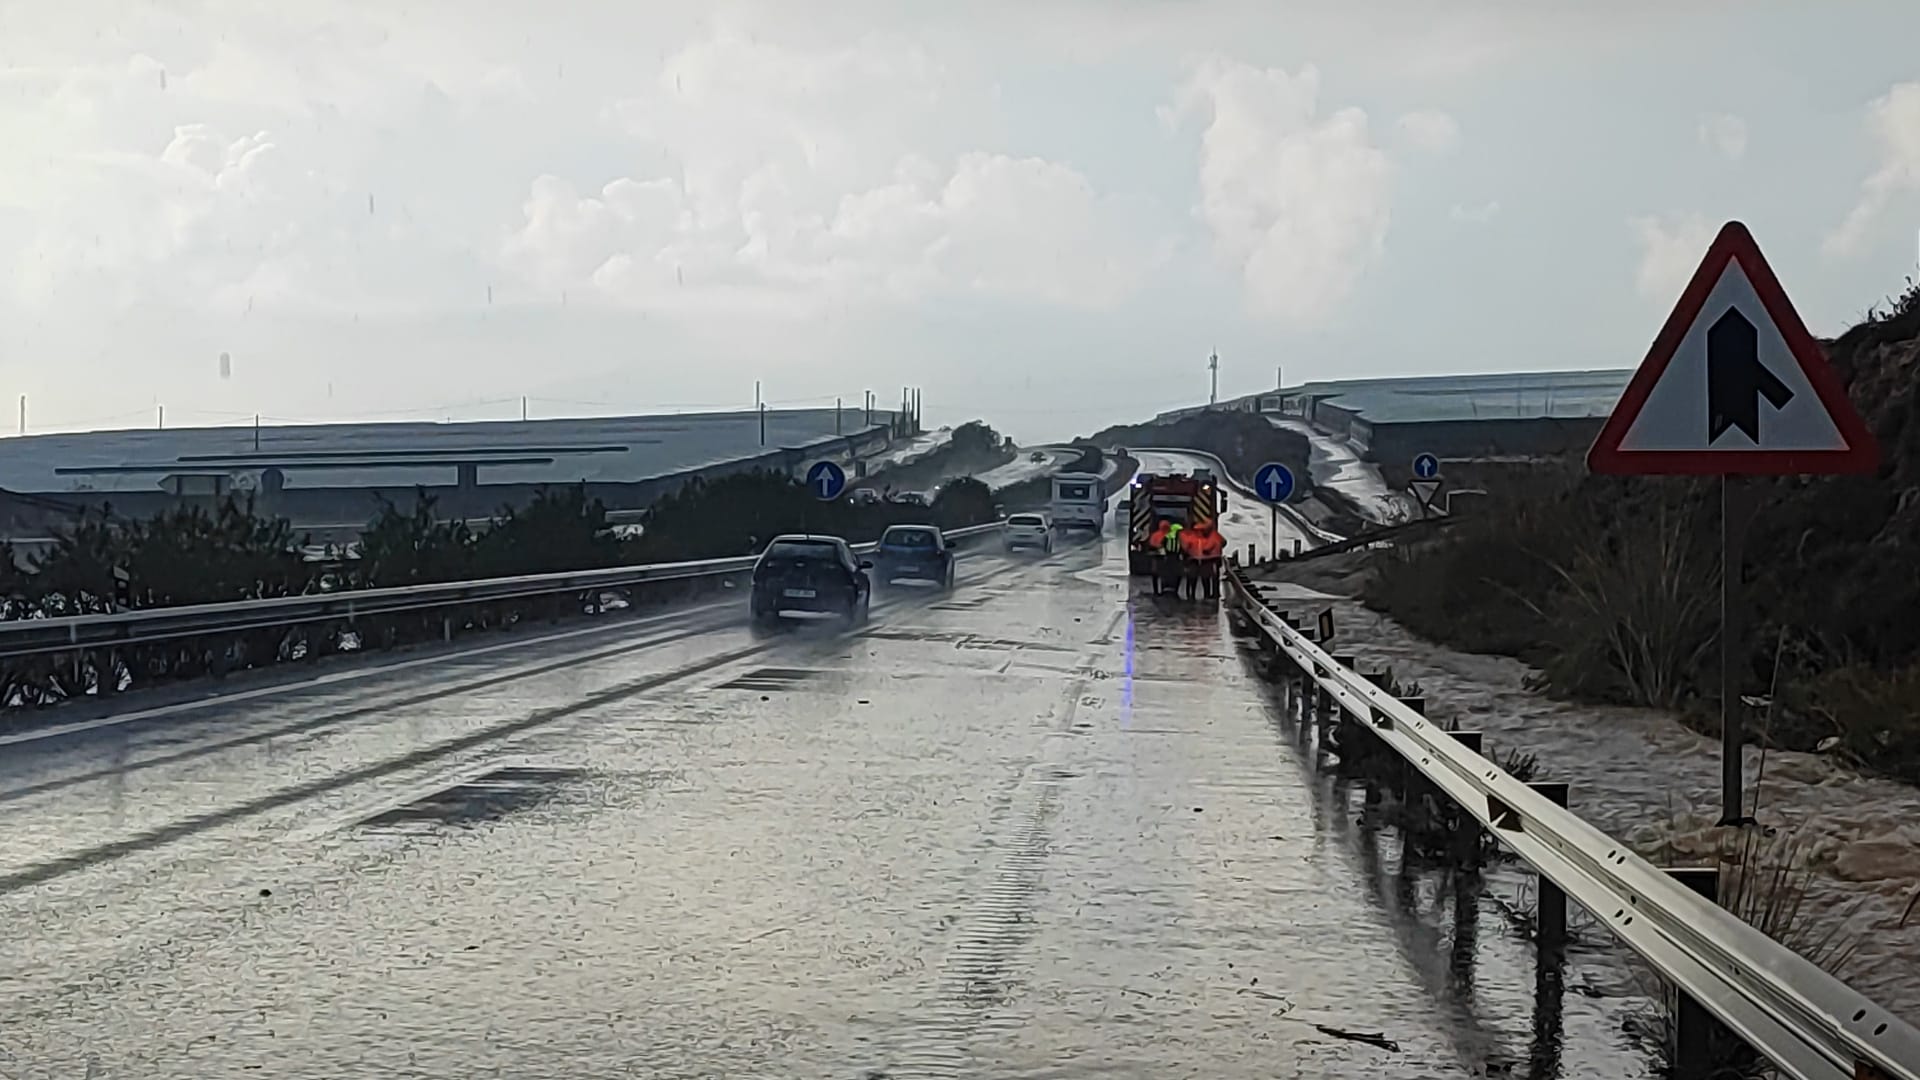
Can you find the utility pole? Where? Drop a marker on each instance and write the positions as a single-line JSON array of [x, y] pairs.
[[523, 408], [761, 408], [869, 407], [160, 414], [836, 416], [256, 433], [23, 414], [1213, 365]]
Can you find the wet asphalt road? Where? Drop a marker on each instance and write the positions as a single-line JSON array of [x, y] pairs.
[[1046, 827]]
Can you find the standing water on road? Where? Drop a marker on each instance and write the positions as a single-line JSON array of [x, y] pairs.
[[1048, 827]]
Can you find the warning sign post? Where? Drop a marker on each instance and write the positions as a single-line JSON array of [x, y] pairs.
[[1733, 386]]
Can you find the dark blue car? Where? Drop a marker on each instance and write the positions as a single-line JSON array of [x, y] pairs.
[[914, 553]]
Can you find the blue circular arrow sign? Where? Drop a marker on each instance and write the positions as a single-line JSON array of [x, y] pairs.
[[1425, 466], [826, 480], [1274, 482]]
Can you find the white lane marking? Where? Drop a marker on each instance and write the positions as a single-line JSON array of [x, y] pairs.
[[351, 675]]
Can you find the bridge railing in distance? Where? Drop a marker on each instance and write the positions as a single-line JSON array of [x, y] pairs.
[[1808, 1023], [79, 633]]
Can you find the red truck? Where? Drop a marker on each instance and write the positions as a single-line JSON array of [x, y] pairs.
[[1185, 498]]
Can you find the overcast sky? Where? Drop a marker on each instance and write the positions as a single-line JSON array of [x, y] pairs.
[[1045, 214]]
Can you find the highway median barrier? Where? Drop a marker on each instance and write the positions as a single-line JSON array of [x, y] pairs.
[[48, 660]]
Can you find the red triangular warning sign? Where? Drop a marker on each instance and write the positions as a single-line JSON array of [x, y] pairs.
[[1734, 384]]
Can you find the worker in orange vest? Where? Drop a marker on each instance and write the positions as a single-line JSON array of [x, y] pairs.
[[1213, 551], [1156, 551], [1192, 544]]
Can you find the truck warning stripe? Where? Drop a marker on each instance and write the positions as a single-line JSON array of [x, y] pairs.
[[1141, 510], [1205, 507]]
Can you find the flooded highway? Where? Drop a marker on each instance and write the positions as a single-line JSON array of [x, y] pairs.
[[1046, 826]]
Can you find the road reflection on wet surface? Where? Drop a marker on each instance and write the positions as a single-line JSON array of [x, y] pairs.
[[1046, 827]]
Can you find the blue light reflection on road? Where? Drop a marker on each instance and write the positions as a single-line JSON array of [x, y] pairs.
[[1126, 676]]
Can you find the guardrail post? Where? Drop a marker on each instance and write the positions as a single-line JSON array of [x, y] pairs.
[[1296, 547], [1695, 1031], [1466, 829], [1294, 676], [1550, 911], [1412, 785], [446, 627]]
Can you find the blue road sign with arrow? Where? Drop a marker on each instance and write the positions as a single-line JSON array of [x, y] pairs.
[[826, 480], [1425, 466], [1274, 482]]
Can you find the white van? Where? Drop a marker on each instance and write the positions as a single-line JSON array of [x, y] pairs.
[[1079, 502], [1029, 531]]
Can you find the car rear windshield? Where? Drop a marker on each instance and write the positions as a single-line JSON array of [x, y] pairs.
[[1025, 519], [1076, 492], [908, 538], [807, 551]]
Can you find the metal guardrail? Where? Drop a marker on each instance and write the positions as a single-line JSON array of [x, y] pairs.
[[26, 637], [1381, 535], [1806, 1022]]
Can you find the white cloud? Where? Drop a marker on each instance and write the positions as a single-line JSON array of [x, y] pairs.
[[1430, 130], [1475, 215], [1298, 203], [1894, 121], [763, 174], [988, 225], [1724, 134], [1671, 248], [837, 177]]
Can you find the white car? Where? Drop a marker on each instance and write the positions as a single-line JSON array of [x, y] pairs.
[[1030, 530]]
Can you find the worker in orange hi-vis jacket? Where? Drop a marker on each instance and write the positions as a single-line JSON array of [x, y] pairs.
[[1192, 544], [1213, 552]]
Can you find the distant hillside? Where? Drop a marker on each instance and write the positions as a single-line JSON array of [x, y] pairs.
[[1244, 440]]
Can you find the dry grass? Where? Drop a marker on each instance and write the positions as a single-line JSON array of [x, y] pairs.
[[1636, 615], [1765, 880]]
